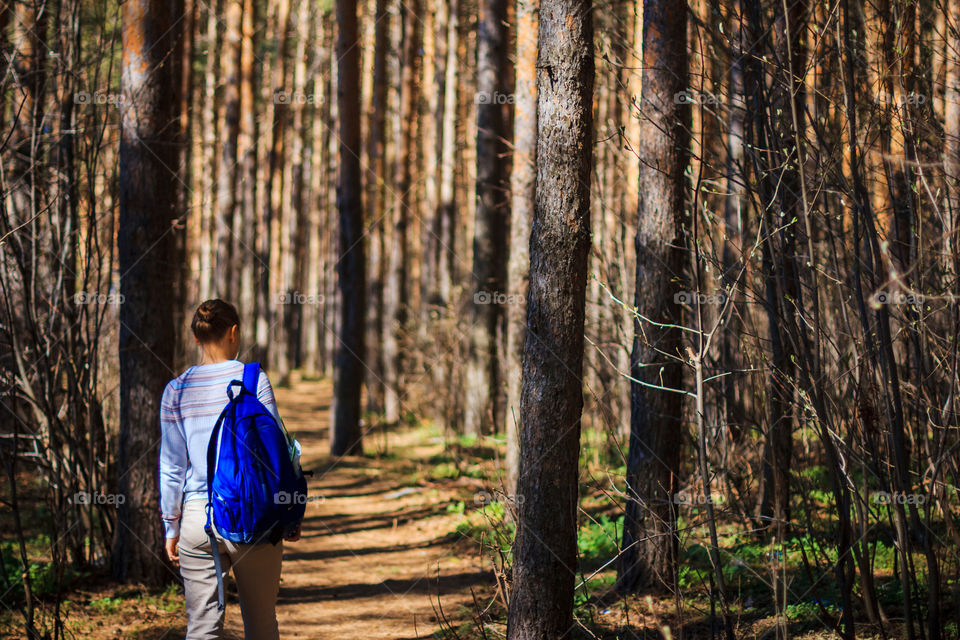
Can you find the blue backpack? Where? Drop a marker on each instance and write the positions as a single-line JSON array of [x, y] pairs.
[[256, 491]]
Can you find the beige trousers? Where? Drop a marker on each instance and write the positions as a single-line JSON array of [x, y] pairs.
[[256, 570]]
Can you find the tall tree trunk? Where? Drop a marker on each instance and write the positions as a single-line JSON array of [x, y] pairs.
[[482, 385], [26, 115], [523, 185], [350, 364], [951, 158], [148, 186], [377, 204], [781, 182], [209, 158], [293, 188], [316, 174], [448, 157], [650, 542], [5, 12], [274, 201], [245, 234], [545, 548], [186, 279], [734, 214], [226, 201], [398, 301]]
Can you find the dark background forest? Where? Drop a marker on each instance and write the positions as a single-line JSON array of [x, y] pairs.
[[670, 287]]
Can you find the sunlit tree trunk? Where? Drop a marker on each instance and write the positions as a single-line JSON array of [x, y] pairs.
[[545, 547], [209, 158], [225, 204], [280, 297], [951, 156], [398, 299], [294, 187], [523, 184], [245, 232]]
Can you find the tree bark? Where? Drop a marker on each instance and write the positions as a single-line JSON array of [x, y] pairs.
[[482, 410], [225, 274], [780, 185], [650, 542], [523, 185], [951, 158], [377, 204], [346, 434], [545, 551], [398, 298], [245, 237], [209, 160], [274, 200], [148, 187]]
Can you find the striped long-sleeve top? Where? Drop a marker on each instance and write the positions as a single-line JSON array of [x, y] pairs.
[[188, 412]]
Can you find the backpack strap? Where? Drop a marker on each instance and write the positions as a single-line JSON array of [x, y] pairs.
[[251, 377], [217, 565]]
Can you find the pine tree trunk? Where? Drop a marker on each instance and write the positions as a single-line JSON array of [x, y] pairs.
[[447, 204], [489, 234], [276, 174], [545, 548], [148, 190], [376, 205], [523, 185], [226, 201], [398, 300], [295, 214], [781, 190], [650, 542], [316, 172], [245, 237], [346, 434], [209, 159]]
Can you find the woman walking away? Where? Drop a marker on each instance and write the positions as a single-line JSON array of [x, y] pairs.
[[189, 410]]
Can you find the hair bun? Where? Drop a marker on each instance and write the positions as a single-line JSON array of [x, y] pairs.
[[212, 320]]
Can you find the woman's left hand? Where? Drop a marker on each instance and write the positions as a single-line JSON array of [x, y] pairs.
[[293, 537], [173, 553]]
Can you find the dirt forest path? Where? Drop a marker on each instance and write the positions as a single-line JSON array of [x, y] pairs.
[[377, 549]]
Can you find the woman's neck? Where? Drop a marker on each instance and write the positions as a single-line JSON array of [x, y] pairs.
[[213, 357]]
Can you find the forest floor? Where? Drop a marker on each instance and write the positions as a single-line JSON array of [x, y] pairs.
[[400, 543], [377, 557]]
